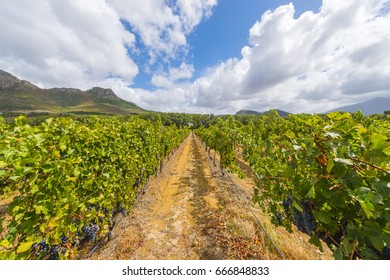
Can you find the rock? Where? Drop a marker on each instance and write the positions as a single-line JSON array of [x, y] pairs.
[[107, 93], [8, 81]]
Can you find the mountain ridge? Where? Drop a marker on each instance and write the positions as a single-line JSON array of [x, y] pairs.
[[252, 112], [373, 106], [8, 80], [23, 96]]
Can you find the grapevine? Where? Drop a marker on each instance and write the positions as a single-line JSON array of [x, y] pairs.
[[70, 178], [328, 175]]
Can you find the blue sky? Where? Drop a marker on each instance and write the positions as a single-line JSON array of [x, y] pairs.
[[204, 56], [223, 35]]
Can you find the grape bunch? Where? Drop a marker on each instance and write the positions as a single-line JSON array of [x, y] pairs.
[[44, 251], [279, 218], [308, 218], [105, 210], [298, 220], [41, 248], [54, 253], [121, 209], [304, 220], [64, 240], [91, 232], [137, 184], [286, 204]]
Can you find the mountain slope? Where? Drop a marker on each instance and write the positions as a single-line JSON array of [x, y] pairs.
[[19, 95], [373, 106], [248, 112], [251, 112]]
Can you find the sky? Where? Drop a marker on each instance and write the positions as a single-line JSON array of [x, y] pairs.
[[204, 56]]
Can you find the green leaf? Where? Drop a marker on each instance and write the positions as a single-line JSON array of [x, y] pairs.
[[367, 207], [25, 247], [41, 209], [312, 192], [378, 141], [386, 151], [76, 172], [297, 206], [387, 228], [290, 134], [316, 241], [338, 254], [5, 243], [19, 216], [337, 116], [330, 165], [53, 222], [374, 232], [323, 216]]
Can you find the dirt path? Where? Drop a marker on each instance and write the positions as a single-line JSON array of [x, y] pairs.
[[190, 211]]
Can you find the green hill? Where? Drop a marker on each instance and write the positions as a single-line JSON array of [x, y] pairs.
[[21, 96], [251, 112]]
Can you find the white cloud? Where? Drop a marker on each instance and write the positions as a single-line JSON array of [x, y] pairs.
[[62, 43], [192, 12], [312, 63], [164, 28], [175, 75], [81, 43]]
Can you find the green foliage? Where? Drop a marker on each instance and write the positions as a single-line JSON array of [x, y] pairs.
[[182, 119], [66, 175], [118, 102], [338, 166], [224, 138], [329, 175]]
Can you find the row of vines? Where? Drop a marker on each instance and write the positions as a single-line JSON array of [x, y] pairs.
[[328, 175], [68, 179]]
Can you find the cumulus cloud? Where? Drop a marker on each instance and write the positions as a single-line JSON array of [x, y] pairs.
[[193, 11], [312, 63], [82, 43], [62, 43], [164, 28], [175, 75]]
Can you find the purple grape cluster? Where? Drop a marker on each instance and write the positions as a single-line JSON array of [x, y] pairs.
[[42, 250], [308, 218], [91, 232], [304, 221]]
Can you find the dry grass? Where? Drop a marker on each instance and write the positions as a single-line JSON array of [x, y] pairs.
[[293, 245], [4, 203], [192, 211]]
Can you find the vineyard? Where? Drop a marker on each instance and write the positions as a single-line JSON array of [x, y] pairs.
[[330, 176], [68, 180]]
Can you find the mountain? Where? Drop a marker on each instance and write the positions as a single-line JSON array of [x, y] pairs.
[[373, 106], [251, 112], [19, 95], [248, 112]]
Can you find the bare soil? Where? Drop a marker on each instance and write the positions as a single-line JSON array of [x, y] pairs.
[[192, 211]]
